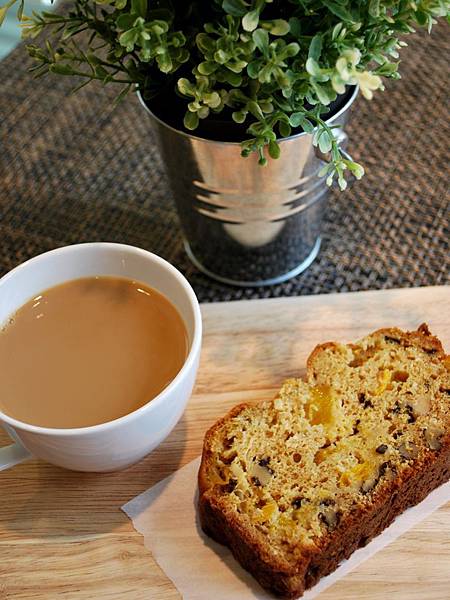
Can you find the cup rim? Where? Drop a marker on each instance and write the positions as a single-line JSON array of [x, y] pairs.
[[157, 400]]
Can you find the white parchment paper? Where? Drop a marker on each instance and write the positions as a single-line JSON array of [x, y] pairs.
[[202, 569]]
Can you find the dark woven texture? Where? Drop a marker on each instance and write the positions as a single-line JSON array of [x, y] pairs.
[[74, 168]]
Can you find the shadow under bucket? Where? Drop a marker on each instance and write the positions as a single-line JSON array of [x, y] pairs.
[[244, 224]]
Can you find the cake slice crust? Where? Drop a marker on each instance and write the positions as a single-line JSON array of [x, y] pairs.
[[294, 485]]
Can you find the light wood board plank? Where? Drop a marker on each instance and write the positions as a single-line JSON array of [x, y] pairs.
[[63, 534]]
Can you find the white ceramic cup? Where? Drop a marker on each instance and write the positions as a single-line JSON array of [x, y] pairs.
[[119, 443]]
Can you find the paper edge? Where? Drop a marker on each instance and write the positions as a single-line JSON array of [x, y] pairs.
[[403, 523]]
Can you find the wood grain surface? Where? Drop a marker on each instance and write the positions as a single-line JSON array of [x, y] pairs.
[[62, 534]]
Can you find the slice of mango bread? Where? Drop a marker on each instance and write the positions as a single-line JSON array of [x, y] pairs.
[[296, 484]]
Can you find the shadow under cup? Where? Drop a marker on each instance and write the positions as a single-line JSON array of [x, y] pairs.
[[119, 443]]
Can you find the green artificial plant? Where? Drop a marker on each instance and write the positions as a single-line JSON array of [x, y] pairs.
[[272, 65]]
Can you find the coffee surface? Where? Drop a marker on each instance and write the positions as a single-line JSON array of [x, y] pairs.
[[89, 351]]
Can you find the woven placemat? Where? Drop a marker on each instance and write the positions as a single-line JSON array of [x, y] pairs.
[[74, 168]]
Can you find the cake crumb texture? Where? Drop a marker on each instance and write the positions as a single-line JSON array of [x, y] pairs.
[[295, 484]]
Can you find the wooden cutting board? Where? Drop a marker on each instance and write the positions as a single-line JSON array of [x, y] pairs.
[[62, 534]]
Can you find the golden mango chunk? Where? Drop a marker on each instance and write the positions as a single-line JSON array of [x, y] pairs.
[[384, 379], [319, 409], [268, 512], [357, 474]]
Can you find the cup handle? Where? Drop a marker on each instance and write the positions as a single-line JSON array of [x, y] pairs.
[[13, 455]]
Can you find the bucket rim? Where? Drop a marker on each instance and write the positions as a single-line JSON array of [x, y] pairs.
[[238, 144]]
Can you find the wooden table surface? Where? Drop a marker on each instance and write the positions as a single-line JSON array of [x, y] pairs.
[[62, 534]]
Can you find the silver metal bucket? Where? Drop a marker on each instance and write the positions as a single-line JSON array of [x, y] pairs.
[[242, 223]]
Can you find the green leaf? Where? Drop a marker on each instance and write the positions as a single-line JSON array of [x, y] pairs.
[[374, 8], [239, 116], [139, 7], [255, 110], [207, 67], [295, 26], [253, 68], [234, 79], [338, 10], [164, 62], [336, 31], [60, 69], [338, 84], [296, 119], [203, 112], [277, 26], [342, 182], [315, 47], [312, 67], [156, 26], [274, 149], [261, 39], [324, 141], [128, 39], [265, 74], [190, 120], [47, 15], [236, 66], [205, 43], [421, 17], [186, 87], [237, 8], [100, 71], [250, 20], [325, 169], [355, 168], [20, 10], [321, 93], [125, 21], [284, 128], [282, 79], [221, 56], [307, 126], [3, 11], [122, 94], [213, 99], [387, 69], [291, 49]]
